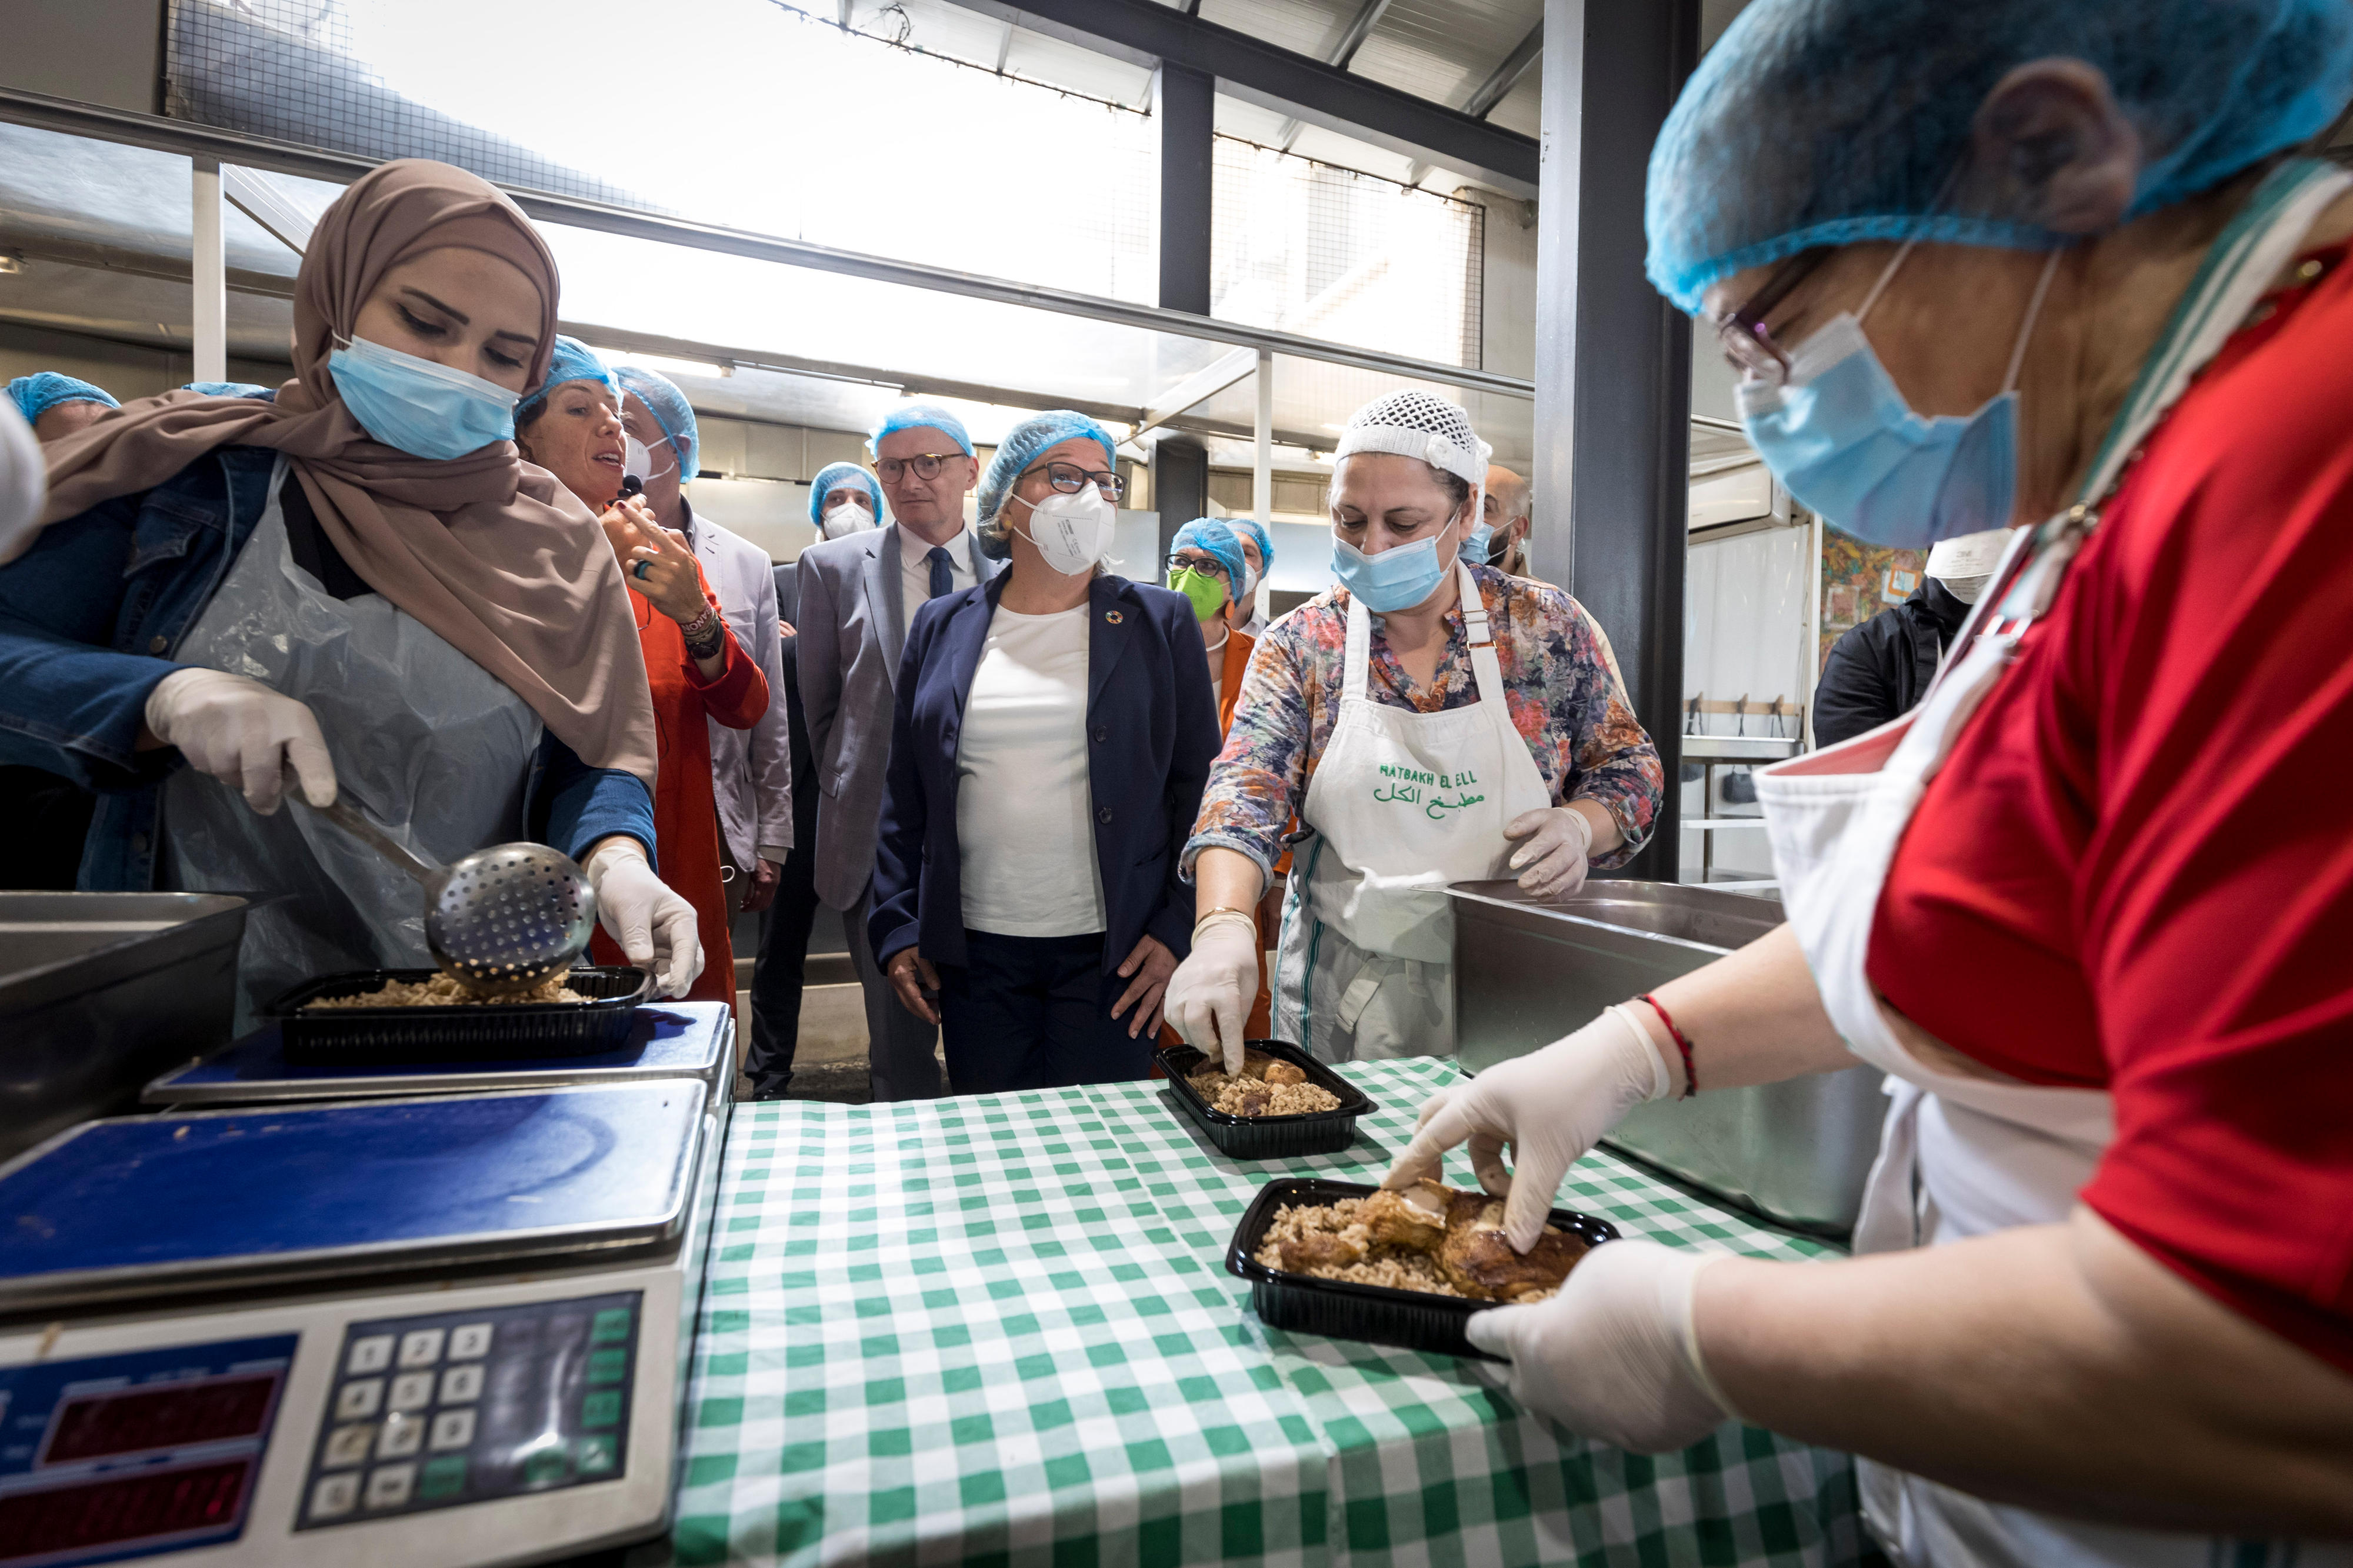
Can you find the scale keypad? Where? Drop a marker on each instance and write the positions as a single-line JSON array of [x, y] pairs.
[[439, 1410]]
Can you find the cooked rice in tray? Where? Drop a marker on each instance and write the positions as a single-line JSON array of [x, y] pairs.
[[443, 992], [1252, 1097]]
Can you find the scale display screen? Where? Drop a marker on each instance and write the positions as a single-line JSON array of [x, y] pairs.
[[124, 1455]]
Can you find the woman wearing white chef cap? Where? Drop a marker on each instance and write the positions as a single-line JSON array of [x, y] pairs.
[[1426, 721], [2059, 263]]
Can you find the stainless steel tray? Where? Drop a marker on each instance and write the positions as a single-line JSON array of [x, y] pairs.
[[1528, 972], [98, 992]]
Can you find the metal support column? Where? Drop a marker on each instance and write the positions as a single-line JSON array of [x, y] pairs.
[[1184, 102], [1180, 490], [209, 274], [1613, 360], [1262, 456]]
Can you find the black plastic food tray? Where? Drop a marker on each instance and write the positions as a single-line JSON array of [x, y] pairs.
[[1341, 1309], [1269, 1137], [492, 1032]]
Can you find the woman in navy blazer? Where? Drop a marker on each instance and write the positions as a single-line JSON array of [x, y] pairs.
[[1054, 729]]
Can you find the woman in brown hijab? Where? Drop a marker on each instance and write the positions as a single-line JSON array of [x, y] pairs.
[[360, 585]]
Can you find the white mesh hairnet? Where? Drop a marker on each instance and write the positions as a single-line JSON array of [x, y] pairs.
[[1414, 423]]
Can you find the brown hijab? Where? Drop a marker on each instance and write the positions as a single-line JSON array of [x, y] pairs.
[[490, 551]]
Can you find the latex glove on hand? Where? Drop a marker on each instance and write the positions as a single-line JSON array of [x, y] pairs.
[[1208, 997], [1552, 863], [1550, 1106], [244, 734], [654, 926], [1614, 1356]]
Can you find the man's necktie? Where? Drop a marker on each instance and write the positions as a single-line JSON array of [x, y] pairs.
[[941, 582]]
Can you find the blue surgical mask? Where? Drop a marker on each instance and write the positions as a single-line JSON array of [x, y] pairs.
[[1840, 436], [1474, 547], [425, 409], [1395, 579]]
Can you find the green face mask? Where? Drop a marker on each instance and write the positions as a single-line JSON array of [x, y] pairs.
[[1206, 589]]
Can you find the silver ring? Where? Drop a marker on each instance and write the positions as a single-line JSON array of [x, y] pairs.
[[638, 571]]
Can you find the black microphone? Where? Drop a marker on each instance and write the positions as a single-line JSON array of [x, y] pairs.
[[630, 486]]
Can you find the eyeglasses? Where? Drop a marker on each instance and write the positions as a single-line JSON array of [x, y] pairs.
[[1198, 562], [925, 464], [1743, 335], [1069, 479]]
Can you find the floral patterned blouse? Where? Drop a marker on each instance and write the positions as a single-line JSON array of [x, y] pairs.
[[1560, 683]]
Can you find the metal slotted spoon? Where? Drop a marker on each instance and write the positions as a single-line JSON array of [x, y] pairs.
[[499, 921]]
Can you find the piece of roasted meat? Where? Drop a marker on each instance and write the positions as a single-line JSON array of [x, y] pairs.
[[1426, 1237], [1267, 1086], [1478, 1260]]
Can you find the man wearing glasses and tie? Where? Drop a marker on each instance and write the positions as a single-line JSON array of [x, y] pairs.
[[857, 594]]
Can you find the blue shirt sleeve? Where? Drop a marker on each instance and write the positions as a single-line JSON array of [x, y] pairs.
[[584, 803]]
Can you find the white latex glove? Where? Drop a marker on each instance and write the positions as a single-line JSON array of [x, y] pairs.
[[1614, 1356], [1551, 864], [655, 927], [242, 733], [1549, 1106], [1208, 997]]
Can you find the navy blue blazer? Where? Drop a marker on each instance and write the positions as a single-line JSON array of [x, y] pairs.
[[1152, 725]]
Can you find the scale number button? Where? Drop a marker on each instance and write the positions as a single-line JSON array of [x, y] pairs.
[[442, 1478], [453, 1429], [348, 1447], [402, 1437], [609, 1326], [602, 1408], [334, 1496], [596, 1454], [389, 1485], [360, 1400], [460, 1384], [470, 1342], [412, 1391], [607, 1366], [420, 1347], [372, 1353]]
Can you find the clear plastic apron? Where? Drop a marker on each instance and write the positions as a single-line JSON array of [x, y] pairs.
[[1963, 1156], [429, 743], [1402, 803]]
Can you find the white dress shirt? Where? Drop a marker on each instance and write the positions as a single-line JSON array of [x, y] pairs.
[[915, 555], [1025, 810]]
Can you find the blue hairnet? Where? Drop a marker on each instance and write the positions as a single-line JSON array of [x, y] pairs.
[[1213, 535], [231, 389], [1829, 122], [573, 361], [919, 416], [1259, 537], [670, 410], [1022, 444], [35, 394], [832, 477]]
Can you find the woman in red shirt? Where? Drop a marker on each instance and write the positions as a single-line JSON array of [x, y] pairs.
[[572, 427], [2090, 906]]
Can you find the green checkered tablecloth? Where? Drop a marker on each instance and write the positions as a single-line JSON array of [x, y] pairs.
[[998, 1329]]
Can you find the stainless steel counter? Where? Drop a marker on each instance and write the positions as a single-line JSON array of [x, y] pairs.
[[1528, 972]]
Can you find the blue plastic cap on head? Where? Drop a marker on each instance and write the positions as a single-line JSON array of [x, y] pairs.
[[1216, 536], [231, 389], [1831, 121], [833, 477], [1025, 441], [36, 394], [913, 416], [1258, 536], [670, 410], [573, 361]]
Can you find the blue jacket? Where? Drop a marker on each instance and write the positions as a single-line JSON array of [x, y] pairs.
[[89, 619], [1153, 724]]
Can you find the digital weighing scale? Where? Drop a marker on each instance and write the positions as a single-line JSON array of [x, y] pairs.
[[668, 1039], [439, 1331]]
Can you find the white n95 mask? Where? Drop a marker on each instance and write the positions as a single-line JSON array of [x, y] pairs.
[[637, 458], [1073, 531], [847, 518]]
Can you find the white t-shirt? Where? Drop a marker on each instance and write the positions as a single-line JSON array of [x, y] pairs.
[[915, 566], [1025, 811]]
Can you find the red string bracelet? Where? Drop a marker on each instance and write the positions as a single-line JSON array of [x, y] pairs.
[[1683, 1044]]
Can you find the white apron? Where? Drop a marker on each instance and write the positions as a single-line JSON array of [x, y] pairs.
[[1402, 803], [1965, 1157], [432, 746]]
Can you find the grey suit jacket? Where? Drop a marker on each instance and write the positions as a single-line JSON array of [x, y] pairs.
[[853, 625], [788, 594], [751, 770]]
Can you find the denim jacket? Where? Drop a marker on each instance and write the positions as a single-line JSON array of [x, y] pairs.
[[90, 617]]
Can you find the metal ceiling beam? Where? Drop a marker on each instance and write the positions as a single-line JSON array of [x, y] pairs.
[[1360, 27], [154, 131], [1285, 82], [1506, 77], [256, 199], [1197, 387]]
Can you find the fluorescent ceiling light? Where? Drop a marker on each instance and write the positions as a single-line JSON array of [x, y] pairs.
[[666, 363]]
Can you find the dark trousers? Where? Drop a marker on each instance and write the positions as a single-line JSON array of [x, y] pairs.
[[780, 976], [1034, 1012]]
